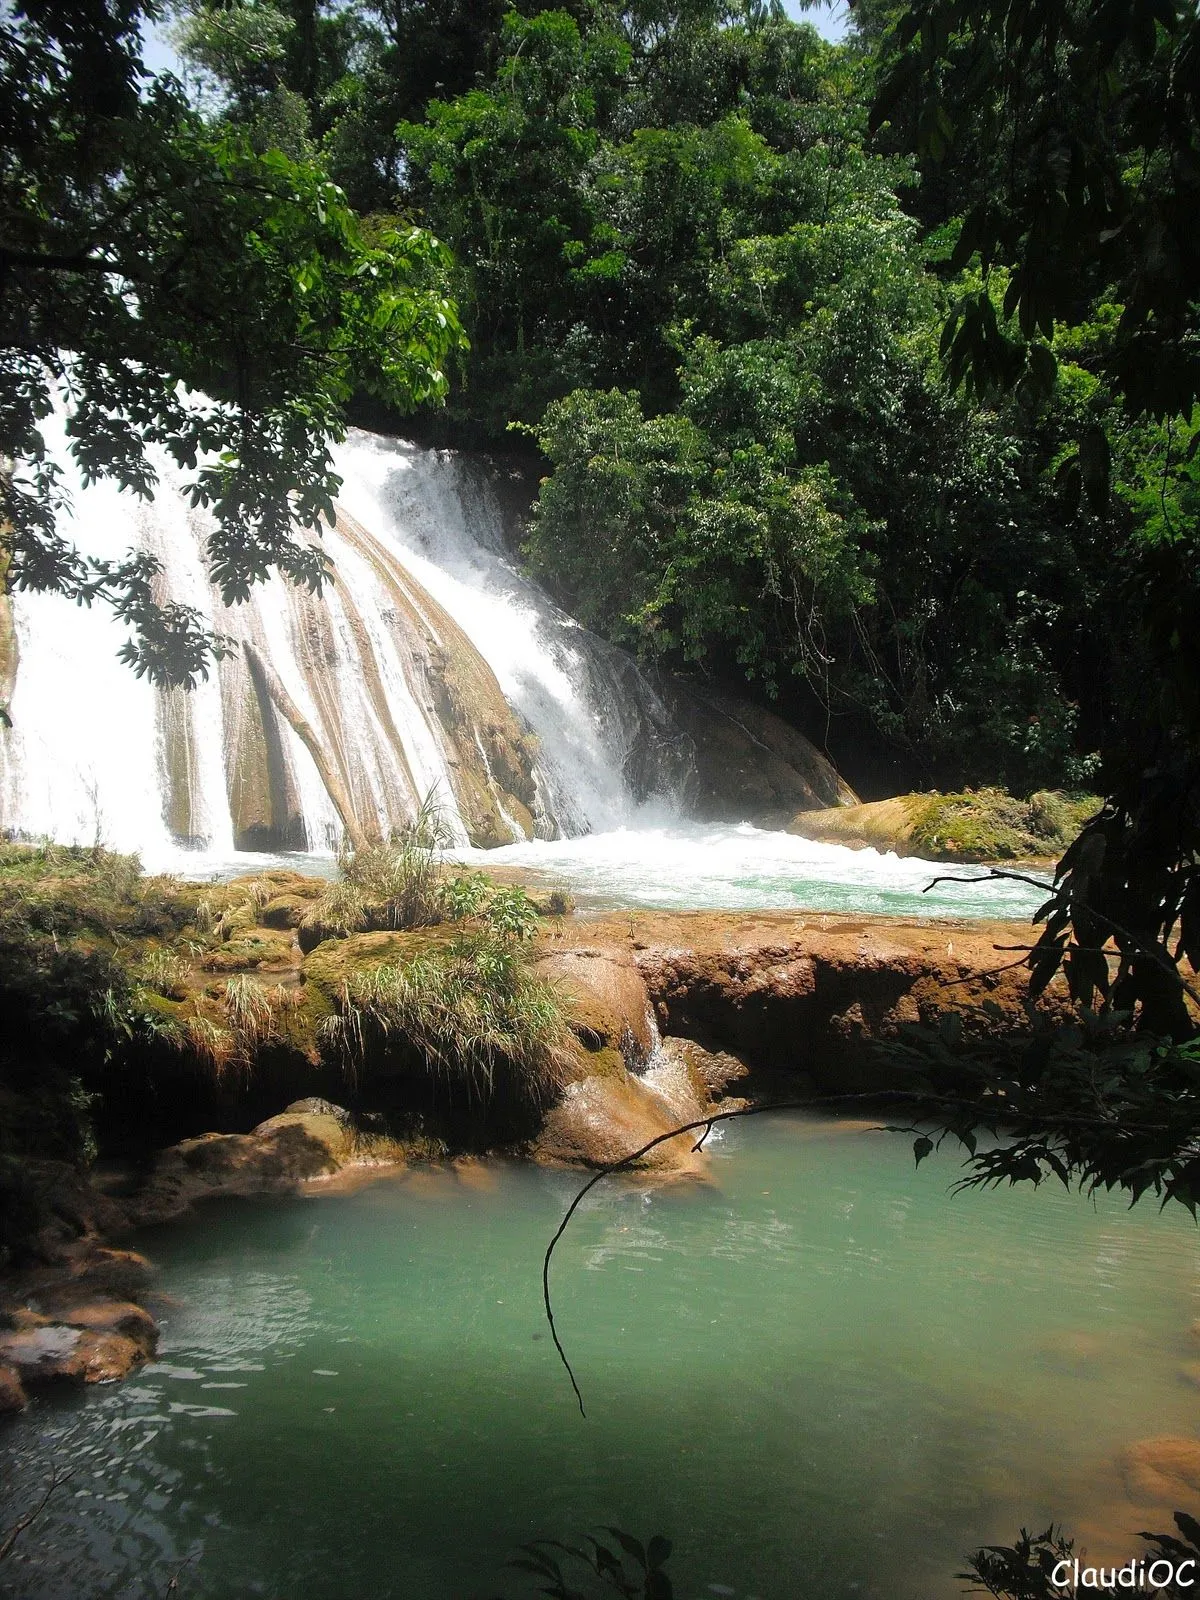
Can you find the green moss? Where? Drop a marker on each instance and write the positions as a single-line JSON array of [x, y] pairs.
[[466, 1014], [336, 962], [992, 825], [251, 948], [151, 992]]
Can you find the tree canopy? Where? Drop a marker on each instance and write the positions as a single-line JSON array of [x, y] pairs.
[[1068, 136], [863, 375], [172, 286]]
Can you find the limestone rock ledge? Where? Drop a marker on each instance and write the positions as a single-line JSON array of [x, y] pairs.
[[806, 995], [74, 1319], [309, 1140]]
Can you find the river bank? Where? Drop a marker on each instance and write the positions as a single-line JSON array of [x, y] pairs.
[[670, 1016]]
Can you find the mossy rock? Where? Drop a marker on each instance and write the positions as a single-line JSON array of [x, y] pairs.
[[281, 880], [271, 948], [607, 1005], [974, 825], [285, 911], [312, 931], [335, 961], [239, 920], [992, 825]]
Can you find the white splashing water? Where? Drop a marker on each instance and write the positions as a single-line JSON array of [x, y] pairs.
[[587, 702], [691, 866], [87, 758]]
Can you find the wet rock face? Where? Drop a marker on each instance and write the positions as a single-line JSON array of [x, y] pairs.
[[62, 1352], [794, 993], [607, 1005], [601, 1120], [750, 765]]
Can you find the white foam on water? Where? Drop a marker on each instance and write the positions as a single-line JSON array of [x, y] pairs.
[[696, 865]]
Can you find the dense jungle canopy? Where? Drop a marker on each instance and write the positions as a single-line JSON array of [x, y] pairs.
[[863, 374]]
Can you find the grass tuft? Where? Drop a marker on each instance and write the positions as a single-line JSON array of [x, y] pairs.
[[472, 1016], [256, 1015], [163, 972]]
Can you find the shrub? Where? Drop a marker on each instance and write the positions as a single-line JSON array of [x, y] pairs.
[[406, 884], [471, 1016], [511, 913]]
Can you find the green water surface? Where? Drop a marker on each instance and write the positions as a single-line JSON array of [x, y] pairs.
[[821, 1374]]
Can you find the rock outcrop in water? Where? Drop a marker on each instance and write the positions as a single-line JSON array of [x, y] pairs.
[[73, 1315], [748, 764], [977, 825], [310, 1139]]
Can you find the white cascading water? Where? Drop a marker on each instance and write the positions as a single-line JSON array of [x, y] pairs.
[[87, 757], [587, 702], [95, 753]]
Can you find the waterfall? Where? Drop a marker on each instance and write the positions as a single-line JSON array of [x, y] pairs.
[[430, 665]]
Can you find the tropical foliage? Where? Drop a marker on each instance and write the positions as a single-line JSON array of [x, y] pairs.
[[176, 288]]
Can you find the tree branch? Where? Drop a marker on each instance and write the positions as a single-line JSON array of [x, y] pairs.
[[19, 1526], [77, 261], [1153, 952]]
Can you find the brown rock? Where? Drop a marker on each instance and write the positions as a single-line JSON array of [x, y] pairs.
[[709, 1072], [103, 1272], [750, 765], [67, 1209], [282, 1151], [132, 1321], [12, 1394], [73, 1355], [39, 1354], [23, 1317], [811, 992], [602, 1120], [277, 1157], [105, 1357], [1164, 1471], [607, 1004]]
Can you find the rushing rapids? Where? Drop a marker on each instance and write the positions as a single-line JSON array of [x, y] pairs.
[[429, 666]]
